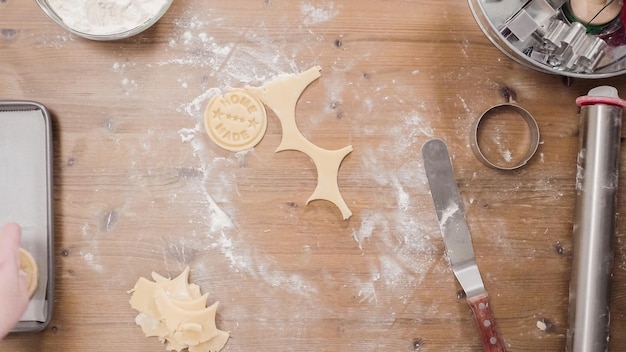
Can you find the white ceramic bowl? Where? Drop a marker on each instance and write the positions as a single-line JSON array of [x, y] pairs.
[[121, 34]]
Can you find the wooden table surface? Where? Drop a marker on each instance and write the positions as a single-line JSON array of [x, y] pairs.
[[140, 187]]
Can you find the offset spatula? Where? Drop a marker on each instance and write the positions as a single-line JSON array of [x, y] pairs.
[[457, 239]]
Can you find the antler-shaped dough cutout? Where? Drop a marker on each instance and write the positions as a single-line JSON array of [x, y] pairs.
[[281, 96]]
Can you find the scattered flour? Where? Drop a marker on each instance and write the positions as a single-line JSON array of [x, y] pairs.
[[452, 209], [196, 107], [88, 256], [399, 236], [90, 259], [403, 197], [402, 243], [541, 325], [85, 230], [367, 291], [130, 85], [464, 103], [221, 228], [368, 225], [240, 262], [188, 134], [506, 154], [293, 283], [421, 127], [312, 14], [57, 41]]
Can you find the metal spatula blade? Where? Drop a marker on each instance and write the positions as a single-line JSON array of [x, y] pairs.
[[457, 238]]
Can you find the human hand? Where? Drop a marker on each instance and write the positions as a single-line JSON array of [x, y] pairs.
[[13, 286]]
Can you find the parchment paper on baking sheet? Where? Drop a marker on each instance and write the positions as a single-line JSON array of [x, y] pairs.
[[23, 192]]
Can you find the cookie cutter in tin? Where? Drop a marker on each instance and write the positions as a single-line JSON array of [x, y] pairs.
[[545, 35]]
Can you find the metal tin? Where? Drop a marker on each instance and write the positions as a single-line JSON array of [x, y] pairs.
[[26, 187], [539, 34]]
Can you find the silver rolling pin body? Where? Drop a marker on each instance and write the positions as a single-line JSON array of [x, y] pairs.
[[595, 219]]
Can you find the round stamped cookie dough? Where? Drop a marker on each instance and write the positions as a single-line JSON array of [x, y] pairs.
[[29, 267], [235, 121]]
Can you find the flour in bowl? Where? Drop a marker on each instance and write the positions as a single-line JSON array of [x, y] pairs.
[[104, 17]]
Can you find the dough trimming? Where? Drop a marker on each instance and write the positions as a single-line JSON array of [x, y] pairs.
[[176, 312]]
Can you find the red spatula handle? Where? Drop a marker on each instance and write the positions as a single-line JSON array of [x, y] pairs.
[[486, 323]]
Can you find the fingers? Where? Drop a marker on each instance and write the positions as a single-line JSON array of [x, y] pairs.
[[13, 287], [10, 236], [23, 281]]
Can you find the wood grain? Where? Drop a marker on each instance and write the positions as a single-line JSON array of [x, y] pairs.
[[139, 186]]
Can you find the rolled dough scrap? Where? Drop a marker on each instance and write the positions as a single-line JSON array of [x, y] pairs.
[[29, 267], [281, 95], [176, 312], [236, 120], [212, 345]]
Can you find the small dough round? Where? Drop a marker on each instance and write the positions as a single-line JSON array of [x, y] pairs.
[[235, 121], [29, 267]]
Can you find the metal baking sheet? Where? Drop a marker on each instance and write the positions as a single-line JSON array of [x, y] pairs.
[[26, 193]]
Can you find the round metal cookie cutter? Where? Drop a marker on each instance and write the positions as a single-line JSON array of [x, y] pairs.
[[533, 129]]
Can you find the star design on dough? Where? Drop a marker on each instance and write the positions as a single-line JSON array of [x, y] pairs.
[[281, 96], [217, 113], [253, 123]]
